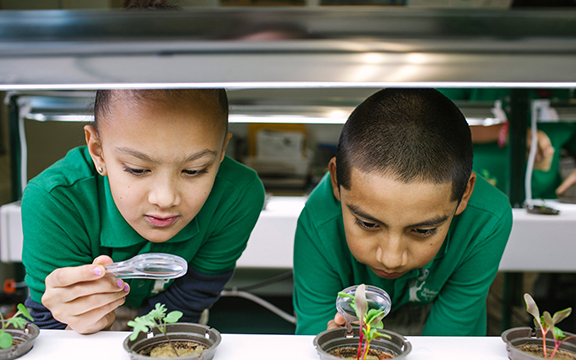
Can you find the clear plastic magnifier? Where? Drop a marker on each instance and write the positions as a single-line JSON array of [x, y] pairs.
[[148, 266], [377, 299]]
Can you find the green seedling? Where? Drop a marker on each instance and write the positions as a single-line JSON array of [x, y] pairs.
[[156, 318], [547, 323], [17, 321], [370, 320]]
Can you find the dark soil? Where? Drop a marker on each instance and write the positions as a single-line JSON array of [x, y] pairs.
[[537, 350], [350, 352]]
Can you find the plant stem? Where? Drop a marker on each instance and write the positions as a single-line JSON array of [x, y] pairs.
[[360, 344], [172, 345], [162, 327], [366, 350]]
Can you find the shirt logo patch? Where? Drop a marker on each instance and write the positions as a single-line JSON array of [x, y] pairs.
[[419, 293]]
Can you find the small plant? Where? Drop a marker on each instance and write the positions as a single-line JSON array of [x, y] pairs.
[[370, 320], [547, 323], [17, 321], [156, 318]]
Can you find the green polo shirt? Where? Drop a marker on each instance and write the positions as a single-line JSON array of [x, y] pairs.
[[491, 161], [69, 218], [455, 282]]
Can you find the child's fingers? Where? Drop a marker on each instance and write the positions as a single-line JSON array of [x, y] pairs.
[[339, 319], [53, 296], [72, 275], [102, 259], [337, 322], [95, 320], [88, 304]]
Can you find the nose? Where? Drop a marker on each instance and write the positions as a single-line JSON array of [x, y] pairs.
[[164, 193], [392, 252]]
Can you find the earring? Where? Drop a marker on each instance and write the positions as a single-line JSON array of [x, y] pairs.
[[100, 169]]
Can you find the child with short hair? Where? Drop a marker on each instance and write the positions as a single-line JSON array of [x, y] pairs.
[[153, 177], [401, 209]]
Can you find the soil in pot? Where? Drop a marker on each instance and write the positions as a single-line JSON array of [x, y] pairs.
[[165, 350], [338, 344], [537, 351], [524, 343], [350, 352], [188, 337], [23, 341]]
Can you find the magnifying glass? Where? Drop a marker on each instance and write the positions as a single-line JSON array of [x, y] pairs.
[[376, 298], [148, 266]]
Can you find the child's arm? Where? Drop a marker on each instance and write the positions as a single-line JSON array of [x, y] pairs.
[[82, 298], [316, 281]]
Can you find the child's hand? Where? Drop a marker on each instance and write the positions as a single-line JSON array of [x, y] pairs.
[[337, 322], [82, 298]]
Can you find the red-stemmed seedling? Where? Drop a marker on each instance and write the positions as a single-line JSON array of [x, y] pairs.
[[370, 320], [547, 323]]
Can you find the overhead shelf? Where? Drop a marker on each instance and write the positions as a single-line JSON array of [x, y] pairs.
[[286, 48]]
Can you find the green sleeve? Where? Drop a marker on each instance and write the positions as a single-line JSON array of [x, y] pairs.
[[223, 248], [316, 282], [52, 229], [460, 308]]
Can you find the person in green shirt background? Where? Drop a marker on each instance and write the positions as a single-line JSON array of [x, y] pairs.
[[490, 154], [401, 209], [153, 177]]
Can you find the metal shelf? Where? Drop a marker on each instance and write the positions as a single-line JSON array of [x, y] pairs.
[[287, 48]]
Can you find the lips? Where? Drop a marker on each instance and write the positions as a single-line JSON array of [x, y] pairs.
[[163, 221], [387, 275]]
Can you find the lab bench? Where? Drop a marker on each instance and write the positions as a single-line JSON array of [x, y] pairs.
[[64, 344]]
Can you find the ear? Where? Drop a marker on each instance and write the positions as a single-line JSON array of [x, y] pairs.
[[95, 149], [467, 193], [225, 145], [333, 179]]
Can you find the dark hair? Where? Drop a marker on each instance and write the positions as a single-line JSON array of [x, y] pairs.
[[412, 134], [217, 96]]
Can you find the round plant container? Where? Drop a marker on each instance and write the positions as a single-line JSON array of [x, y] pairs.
[[178, 332], [516, 338], [23, 341], [333, 340]]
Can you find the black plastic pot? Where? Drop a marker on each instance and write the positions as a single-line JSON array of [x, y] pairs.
[[201, 334], [517, 337], [330, 340], [26, 336]]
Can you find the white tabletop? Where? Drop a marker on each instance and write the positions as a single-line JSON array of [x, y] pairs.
[[63, 345]]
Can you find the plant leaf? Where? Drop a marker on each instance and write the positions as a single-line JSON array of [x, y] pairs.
[[561, 315], [5, 340], [173, 317], [532, 308], [159, 312], [17, 322], [23, 311], [375, 316], [558, 334], [345, 295], [360, 302], [140, 324], [548, 322]]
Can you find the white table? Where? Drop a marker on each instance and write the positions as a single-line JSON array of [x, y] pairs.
[[63, 345]]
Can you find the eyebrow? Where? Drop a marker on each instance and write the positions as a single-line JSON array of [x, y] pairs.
[[435, 221], [142, 156]]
